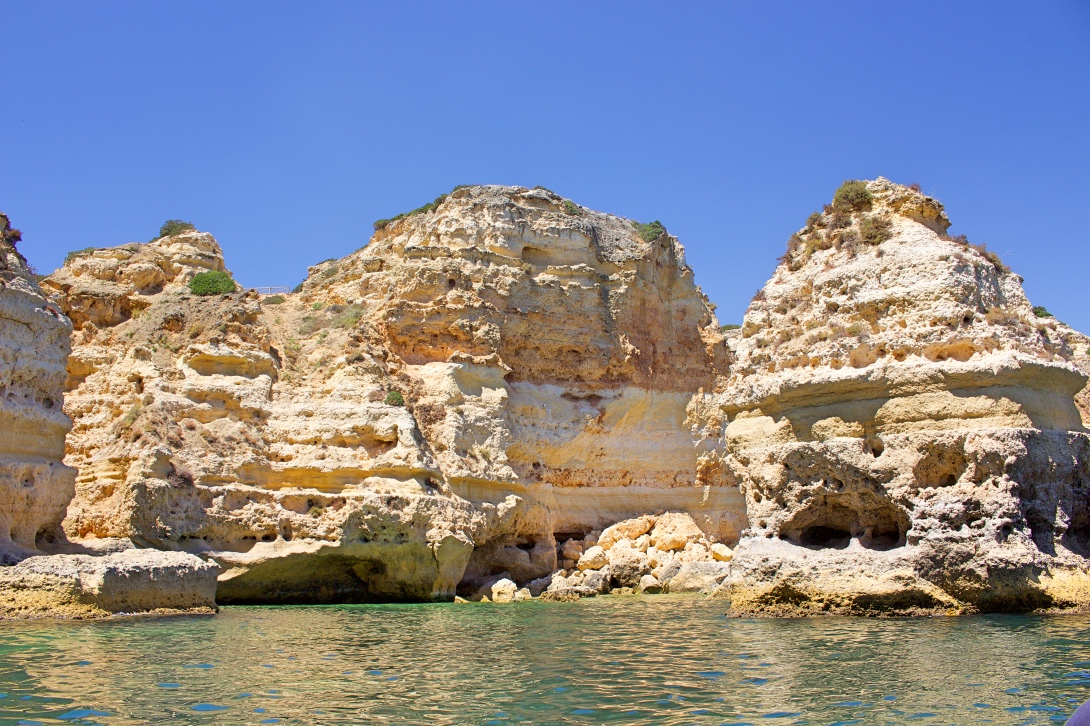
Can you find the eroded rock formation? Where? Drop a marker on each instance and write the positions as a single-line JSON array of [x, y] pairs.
[[36, 486], [902, 425], [466, 404], [545, 355]]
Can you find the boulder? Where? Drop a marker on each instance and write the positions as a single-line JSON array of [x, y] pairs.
[[594, 558], [674, 530], [597, 580], [627, 566], [721, 553], [503, 591], [628, 529], [649, 585], [132, 581], [699, 576], [567, 594]]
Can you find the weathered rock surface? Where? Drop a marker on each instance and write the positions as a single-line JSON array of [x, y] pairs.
[[902, 425], [546, 355], [36, 486], [129, 582], [507, 386]]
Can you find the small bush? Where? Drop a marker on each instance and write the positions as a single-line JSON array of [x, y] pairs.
[[992, 257], [815, 220], [174, 226], [572, 208], [729, 326], [915, 187], [299, 287], [274, 300], [78, 253], [999, 316], [394, 398], [1042, 312], [330, 271], [316, 511], [317, 306], [650, 232], [348, 317], [840, 219], [212, 282], [852, 196], [874, 230], [311, 324]]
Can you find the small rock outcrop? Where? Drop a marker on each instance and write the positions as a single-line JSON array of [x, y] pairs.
[[84, 586], [902, 425], [498, 371], [36, 486]]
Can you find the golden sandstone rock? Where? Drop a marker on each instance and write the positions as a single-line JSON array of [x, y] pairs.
[[505, 383], [36, 487]]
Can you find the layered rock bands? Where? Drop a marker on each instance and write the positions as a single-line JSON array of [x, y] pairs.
[[494, 394], [36, 486]]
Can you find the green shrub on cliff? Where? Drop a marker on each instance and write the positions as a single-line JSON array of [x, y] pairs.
[[174, 226], [874, 230], [78, 253], [650, 232], [212, 282], [394, 398], [1041, 311], [852, 196]]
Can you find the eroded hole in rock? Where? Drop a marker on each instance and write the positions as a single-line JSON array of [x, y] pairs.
[[940, 467], [535, 256], [822, 536], [833, 521], [874, 446]]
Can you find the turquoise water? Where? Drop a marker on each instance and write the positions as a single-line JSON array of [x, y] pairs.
[[660, 660]]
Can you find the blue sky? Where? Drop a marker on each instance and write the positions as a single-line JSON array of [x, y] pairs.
[[285, 129]]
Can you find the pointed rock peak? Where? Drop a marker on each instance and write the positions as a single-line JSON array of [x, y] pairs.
[[874, 280]]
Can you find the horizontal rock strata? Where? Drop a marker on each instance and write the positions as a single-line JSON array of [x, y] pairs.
[[431, 410], [902, 424], [36, 486]]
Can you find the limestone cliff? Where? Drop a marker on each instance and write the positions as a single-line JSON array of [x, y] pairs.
[[902, 424], [465, 403], [35, 486], [499, 370]]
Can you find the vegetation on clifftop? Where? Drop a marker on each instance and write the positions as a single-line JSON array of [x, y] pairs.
[[212, 282], [172, 227]]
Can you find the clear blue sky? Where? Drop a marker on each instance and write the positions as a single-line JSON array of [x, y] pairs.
[[285, 129]]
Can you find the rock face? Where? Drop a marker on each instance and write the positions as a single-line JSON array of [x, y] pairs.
[[483, 379], [35, 486], [902, 425], [505, 394]]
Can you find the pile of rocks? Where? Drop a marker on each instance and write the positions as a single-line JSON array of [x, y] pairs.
[[651, 554]]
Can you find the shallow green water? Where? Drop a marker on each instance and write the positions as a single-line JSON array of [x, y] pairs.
[[656, 660]]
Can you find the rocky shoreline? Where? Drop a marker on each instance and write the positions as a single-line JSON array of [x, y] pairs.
[[505, 396]]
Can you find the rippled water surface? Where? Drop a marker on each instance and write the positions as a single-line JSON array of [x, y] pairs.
[[662, 660]]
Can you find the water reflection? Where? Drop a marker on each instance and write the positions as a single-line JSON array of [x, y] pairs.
[[663, 660]]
